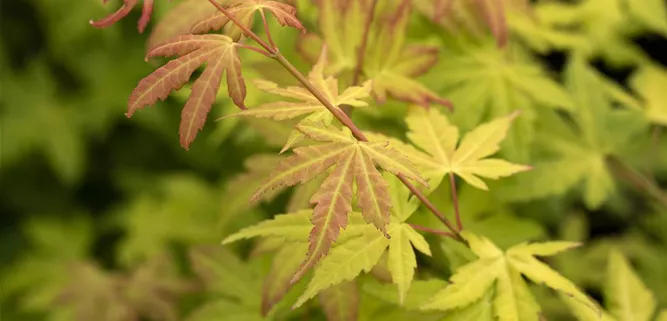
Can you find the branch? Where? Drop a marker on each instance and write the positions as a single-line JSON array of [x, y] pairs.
[[361, 53], [432, 231], [636, 179], [455, 200], [339, 114]]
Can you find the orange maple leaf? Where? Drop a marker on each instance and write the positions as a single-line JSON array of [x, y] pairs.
[[218, 52], [123, 11], [244, 11]]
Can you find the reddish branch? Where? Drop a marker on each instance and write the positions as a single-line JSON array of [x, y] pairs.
[[455, 200], [432, 231], [361, 53]]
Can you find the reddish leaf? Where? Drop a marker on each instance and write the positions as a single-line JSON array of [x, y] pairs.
[[244, 10], [492, 13], [179, 20], [219, 52], [372, 193], [333, 204], [124, 10]]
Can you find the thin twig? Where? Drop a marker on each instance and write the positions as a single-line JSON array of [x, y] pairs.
[[637, 180], [432, 230], [361, 51], [431, 207], [339, 114], [267, 31], [255, 49], [455, 200], [655, 149]]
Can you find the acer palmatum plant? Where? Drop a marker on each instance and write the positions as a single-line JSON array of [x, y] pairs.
[[354, 227], [349, 155]]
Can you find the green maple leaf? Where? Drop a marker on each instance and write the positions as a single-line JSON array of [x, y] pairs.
[[286, 262], [56, 278], [485, 80], [577, 151], [501, 272], [178, 198], [287, 233], [626, 296], [307, 103], [341, 302], [420, 291], [431, 131], [63, 147], [389, 61], [650, 81], [602, 26], [358, 238], [38, 278], [233, 286], [363, 252]]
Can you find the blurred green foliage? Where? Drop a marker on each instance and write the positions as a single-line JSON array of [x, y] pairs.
[[111, 214]]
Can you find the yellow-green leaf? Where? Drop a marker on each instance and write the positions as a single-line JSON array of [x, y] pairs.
[[650, 82], [626, 296], [277, 282], [431, 131], [345, 262], [511, 300], [401, 261], [341, 301], [292, 227]]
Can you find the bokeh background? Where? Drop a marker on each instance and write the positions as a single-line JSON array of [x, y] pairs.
[[83, 184]]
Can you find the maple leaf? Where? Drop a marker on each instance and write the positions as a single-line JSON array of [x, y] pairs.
[[232, 285], [244, 11], [482, 80], [355, 161], [177, 197], [341, 302], [64, 147], [577, 149], [512, 299], [649, 81], [363, 252], [626, 296], [154, 287], [389, 62], [469, 14], [308, 104], [431, 131], [601, 27], [393, 65], [288, 233], [123, 11], [277, 282], [420, 291], [179, 20], [218, 52], [37, 279]]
